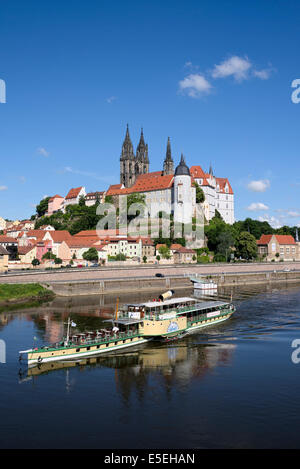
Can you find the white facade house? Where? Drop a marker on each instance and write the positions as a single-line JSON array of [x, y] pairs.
[[73, 196], [218, 194]]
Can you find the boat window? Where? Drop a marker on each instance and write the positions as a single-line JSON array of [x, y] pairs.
[[78, 350]]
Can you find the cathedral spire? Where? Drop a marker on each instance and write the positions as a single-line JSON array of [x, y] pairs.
[[168, 163], [127, 147], [127, 161], [142, 160]]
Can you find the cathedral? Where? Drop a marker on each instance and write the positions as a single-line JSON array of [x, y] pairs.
[[132, 166]]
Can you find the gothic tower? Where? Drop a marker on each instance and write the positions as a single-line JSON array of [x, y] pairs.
[[141, 159], [168, 163], [127, 162]]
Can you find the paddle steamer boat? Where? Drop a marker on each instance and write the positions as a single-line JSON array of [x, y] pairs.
[[164, 319]]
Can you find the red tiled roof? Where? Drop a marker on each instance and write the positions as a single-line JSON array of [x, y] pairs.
[[94, 194], [7, 239], [80, 242], [222, 183], [55, 197], [185, 250], [59, 236], [281, 239], [147, 242], [22, 250], [73, 193], [285, 239], [175, 246], [38, 234], [144, 183], [198, 173]]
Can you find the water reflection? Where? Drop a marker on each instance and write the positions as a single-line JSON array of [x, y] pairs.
[[177, 365]]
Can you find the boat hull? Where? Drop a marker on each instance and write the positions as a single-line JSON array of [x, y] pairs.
[[38, 357]]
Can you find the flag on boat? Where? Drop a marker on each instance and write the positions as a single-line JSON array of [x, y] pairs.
[[73, 324]]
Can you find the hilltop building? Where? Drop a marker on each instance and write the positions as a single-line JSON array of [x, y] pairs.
[[171, 188]]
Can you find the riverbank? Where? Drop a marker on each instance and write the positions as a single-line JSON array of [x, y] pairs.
[[22, 293], [171, 282]]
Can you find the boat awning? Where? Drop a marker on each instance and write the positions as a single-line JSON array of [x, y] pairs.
[[211, 304], [160, 304]]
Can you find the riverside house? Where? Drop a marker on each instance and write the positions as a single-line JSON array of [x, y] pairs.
[[278, 247]]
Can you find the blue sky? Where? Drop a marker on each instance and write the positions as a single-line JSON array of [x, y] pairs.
[[214, 76]]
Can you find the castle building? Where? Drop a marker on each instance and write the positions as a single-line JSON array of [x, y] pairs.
[[171, 190]]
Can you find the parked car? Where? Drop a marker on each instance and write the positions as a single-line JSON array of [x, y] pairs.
[[80, 266], [286, 269], [159, 275], [94, 265]]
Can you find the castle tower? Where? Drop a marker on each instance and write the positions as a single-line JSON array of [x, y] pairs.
[[168, 163], [127, 162], [183, 205], [141, 159]]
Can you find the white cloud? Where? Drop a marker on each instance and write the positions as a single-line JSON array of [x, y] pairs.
[[111, 99], [274, 222], [257, 206], [262, 74], [68, 169], [259, 186], [195, 85], [42, 151], [22, 179], [3, 188], [293, 214], [235, 66]]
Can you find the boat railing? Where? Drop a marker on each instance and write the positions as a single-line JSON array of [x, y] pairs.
[[106, 337]]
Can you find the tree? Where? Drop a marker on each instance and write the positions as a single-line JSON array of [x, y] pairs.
[[164, 251], [246, 246], [42, 207], [58, 261], [49, 255], [144, 259], [225, 244], [91, 255], [35, 262], [109, 199], [81, 201], [200, 197], [120, 257]]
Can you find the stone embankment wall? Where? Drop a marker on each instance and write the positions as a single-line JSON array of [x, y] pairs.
[[122, 285]]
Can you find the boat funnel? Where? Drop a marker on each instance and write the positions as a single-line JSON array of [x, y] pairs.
[[165, 296]]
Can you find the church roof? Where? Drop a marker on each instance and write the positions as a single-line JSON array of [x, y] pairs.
[[144, 183]]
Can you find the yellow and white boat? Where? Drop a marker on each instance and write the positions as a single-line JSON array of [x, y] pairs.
[[166, 318]]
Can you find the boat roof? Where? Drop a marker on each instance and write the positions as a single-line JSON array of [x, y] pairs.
[[211, 304], [154, 304]]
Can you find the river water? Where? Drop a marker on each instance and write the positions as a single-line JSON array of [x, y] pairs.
[[232, 385]]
